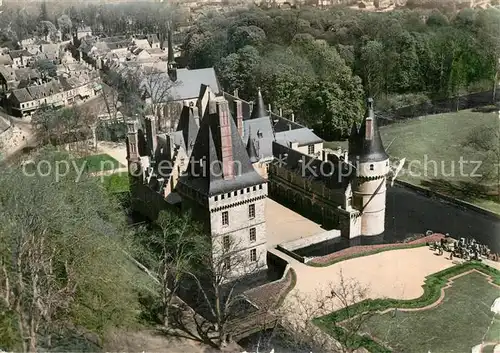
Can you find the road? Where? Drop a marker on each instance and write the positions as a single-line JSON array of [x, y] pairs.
[[409, 212]]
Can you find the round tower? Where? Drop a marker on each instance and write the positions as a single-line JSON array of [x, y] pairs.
[[368, 155]]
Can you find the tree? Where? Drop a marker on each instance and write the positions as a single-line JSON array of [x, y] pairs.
[[175, 247], [47, 29], [61, 260], [299, 311], [486, 142], [46, 67], [217, 278], [373, 67], [64, 23]]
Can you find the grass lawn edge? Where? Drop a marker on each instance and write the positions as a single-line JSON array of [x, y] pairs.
[[432, 286]]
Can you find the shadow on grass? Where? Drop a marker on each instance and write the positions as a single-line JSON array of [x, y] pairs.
[[463, 190], [486, 109]]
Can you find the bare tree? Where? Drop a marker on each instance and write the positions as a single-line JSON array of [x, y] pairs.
[[297, 318], [223, 268], [177, 244], [486, 142]]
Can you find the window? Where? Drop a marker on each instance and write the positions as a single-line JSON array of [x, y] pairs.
[[310, 149], [236, 193], [253, 235], [253, 255], [222, 196], [254, 188], [371, 166], [225, 218], [251, 210], [227, 263], [260, 187], [216, 198], [227, 243]]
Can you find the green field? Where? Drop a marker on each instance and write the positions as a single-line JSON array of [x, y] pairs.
[[116, 183], [99, 163], [456, 325], [433, 146]]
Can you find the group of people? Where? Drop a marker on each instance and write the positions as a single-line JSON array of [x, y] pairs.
[[465, 248]]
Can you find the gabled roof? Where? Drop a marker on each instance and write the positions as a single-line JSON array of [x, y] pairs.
[[5, 59], [303, 136], [27, 74], [208, 148], [8, 73], [22, 95], [187, 85], [19, 53]]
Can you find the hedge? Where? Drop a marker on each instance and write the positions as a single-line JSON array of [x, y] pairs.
[[432, 291]]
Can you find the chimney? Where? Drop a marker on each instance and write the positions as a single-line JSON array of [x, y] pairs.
[[369, 121], [238, 115], [281, 112], [133, 142], [236, 93], [269, 108], [151, 133], [226, 141], [289, 126]]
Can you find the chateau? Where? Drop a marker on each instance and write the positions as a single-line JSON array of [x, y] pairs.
[[228, 155]]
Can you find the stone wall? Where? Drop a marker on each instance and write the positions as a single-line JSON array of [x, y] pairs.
[[310, 199]]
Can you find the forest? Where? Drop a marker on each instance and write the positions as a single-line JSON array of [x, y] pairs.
[[319, 64]]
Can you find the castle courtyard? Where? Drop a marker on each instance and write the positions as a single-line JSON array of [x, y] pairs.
[[284, 225]]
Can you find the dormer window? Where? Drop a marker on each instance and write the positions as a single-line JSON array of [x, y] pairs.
[[371, 166]]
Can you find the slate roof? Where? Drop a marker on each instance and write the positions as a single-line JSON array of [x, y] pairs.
[[245, 106], [251, 151], [19, 53], [262, 133], [5, 59], [259, 109], [27, 74], [22, 95], [8, 73], [303, 136], [367, 150], [334, 174], [188, 127], [187, 85], [208, 148]]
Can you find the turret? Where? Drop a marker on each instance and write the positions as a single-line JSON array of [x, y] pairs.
[[259, 108], [368, 155]]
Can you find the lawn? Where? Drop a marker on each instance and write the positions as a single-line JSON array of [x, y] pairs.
[[116, 183], [99, 163], [456, 325], [433, 147]]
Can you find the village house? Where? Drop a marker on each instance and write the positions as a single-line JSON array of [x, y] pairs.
[[21, 58], [83, 32], [63, 91]]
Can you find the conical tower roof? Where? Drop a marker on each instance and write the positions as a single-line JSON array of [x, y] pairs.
[[259, 109], [252, 152], [369, 146]]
